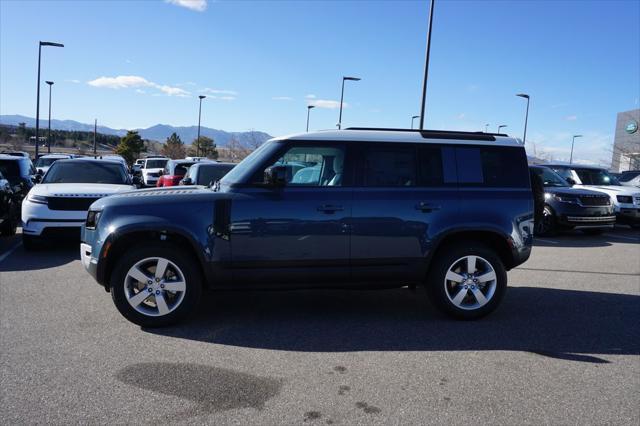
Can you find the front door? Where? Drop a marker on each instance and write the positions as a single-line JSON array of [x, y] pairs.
[[297, 234]]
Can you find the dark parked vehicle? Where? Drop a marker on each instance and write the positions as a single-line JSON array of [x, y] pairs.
[[451, 211], [9, 208], [173, 172], [206, 172], [19, 171], [566, 207]]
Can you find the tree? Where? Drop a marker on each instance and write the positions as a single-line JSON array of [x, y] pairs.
[[174, 147], [236, 151], [204, 147], [130, 146]]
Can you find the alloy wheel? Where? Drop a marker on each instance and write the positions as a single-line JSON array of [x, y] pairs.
[[470, 282]]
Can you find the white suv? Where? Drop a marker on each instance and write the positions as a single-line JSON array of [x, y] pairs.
[[58, 205], [44, 162], [625, 199], [152, 169]]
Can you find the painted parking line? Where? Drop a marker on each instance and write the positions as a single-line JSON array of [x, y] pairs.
[[11, 250]]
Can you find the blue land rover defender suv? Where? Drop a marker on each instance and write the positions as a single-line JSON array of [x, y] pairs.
[[355, 208]]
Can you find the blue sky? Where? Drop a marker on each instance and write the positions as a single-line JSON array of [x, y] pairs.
[[134, 64]]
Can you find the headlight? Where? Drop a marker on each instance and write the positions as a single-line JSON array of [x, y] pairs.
[[92, 219], [38, 199], [565, 198], [624, 199]]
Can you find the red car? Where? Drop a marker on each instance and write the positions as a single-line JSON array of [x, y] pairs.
[[173, 172]]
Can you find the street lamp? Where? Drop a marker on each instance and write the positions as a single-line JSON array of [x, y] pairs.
[[201, 97], [413, 118], [426, 66], [501, 126], [50, 83], [526, 117], [42, 43], [572, 142], [342, 98], [309, 108]]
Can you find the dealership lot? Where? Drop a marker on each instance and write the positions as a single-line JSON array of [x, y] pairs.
[[563, 348]]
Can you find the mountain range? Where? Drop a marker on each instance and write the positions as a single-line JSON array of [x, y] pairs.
[[159, 132]]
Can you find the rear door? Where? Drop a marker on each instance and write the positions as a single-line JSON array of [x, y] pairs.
[[404, 194]]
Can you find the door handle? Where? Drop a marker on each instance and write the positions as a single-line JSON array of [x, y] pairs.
[[427, 207], [327, 208]]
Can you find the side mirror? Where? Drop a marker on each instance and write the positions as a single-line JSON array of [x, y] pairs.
[[137, 181], [570, 181], [37, 178], [275, 175], [39, 172], [187, 181]]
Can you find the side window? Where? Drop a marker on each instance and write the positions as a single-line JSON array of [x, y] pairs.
[[389, 166], [167, 168], [492, 166], [436, 165], [312, 165]]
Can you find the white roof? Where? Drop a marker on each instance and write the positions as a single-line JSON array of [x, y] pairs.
[[56, 156], [405, 136]]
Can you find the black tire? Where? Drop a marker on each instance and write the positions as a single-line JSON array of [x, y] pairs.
[[437, 285], [188, 267], [547, 226], [31, 243], [593, 231]]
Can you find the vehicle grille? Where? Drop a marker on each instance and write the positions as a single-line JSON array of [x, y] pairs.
[[591, 219], [594, 200], [153, 174], [70, 203]]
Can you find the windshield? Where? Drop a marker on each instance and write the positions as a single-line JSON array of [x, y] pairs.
[[46, 162], [86, 172], [210, 174], [596, 177], [549, 177], [156, 164], [627, 176], [246, 166]]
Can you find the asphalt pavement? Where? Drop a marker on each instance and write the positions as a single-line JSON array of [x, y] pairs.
[[564, 348]]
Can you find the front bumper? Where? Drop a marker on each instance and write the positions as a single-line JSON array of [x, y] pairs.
[[628, 215], [38, 218]]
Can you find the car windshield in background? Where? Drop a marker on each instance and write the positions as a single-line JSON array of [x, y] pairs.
[[596, 177], [210, 174], [9, 168], [627, 176], [46, 162], [86, 172], [550, 178], [156, 164], [181, 169]]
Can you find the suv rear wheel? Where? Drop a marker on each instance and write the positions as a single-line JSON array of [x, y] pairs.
[[467, 280], [155, 286]]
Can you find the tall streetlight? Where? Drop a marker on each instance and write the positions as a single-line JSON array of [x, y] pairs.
[[572, 142], [342, 98], [501, 126], [50, 83], [42, 43], [413, 118], [526, 117], [201, 97], [426, 66], [309, 108]]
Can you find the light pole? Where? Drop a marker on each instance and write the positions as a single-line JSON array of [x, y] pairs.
[[426, 66], [309, 108], [501, 126], [201, 97], [42, 43], [526, 117], [486, 127], [413, 118], [50, 83], [572, 142], [342, 98]]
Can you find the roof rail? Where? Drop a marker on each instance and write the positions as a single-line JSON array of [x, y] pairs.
[[438, 134]]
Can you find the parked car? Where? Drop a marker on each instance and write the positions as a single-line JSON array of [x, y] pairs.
[[452, 211], [206, 172], [152, 169], [630, 178], [19, 171], [173, 172], [569, 207], [625, 199], [44, 162], [57, 207], [16, 153], [9, 208]]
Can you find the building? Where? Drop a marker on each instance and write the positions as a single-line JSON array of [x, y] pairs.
[[626, 145]]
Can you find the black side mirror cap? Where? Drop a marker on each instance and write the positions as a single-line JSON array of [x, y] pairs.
[[37, 178], [186, 181], [570, 181], [275, 176]]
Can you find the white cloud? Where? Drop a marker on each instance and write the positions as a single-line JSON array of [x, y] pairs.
[[135, 81], [328, 104], [571, 117], [461, 116], [73, 81], [227, 98], [219, 91], [197, 5], [282, 98], [310, 96], [142, 92]]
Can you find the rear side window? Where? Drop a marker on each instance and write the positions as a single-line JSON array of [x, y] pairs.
[[389, 166], [492, 166], [10, 168]]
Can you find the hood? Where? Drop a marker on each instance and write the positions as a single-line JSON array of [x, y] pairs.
[[79, 189], [613, 189], [569, 190], [168, 197]]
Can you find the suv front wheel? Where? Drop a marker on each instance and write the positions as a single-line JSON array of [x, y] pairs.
[[467, 280], [155, 286]]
